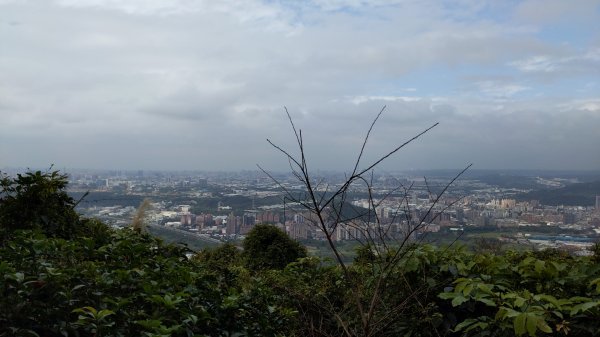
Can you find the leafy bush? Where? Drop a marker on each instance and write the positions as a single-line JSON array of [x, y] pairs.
[[526, 293], [38, 200], [268, 247], [134, 285]]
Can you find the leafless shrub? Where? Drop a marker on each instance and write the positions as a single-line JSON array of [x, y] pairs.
[[331, 213], [138, 223]]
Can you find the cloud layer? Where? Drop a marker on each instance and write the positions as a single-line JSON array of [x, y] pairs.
[[201, 84]]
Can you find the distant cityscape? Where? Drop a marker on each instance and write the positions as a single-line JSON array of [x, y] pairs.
[[218, 206]]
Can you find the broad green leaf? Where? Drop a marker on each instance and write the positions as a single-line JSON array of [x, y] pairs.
[[583, 307], [446, 296], [487, 301], [548, 298], [103, 313], [519, 324], [559, 266], [86, 310], [479, 325], [458, 300], [531, 323], [539, 266], [79, 286], [596, 283], [519, 301], [485, 288], [543, 326], [466, 323], [467, 290]]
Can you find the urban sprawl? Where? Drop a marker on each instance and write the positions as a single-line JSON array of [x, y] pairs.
[[226, 206]]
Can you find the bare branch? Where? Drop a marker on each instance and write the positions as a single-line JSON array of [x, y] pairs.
[[362, 149], [332, 214]]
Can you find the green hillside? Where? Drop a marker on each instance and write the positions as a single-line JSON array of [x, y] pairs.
[[581, 194]]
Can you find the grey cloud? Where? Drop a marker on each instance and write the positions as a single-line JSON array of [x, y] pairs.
[[189, 105], [549, 11], [120, 84]]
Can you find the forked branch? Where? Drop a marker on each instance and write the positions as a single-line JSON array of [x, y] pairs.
[[327, 215]]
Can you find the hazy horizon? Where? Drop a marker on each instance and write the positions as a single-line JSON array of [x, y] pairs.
[[448, 171], [200, 85]]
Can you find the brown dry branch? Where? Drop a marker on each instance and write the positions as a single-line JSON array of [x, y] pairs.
[[138, 223], [327, 214]]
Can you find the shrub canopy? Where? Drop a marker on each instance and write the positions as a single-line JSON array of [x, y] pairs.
[[268, 247]]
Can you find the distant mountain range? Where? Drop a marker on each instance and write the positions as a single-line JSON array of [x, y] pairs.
[[473, 173], [579, 194], [510, 181]]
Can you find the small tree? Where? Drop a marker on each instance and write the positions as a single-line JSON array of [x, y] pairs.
[[368, 310], [39, 201], [220, 256], [268, 247]]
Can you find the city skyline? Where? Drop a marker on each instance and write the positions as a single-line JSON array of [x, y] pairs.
[[193, 85]]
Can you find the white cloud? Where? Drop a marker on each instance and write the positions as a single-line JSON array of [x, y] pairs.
[[270, 16], [500, 90], [588, 61], [138, 7], [586, 105], [357, 100], [539, 63]]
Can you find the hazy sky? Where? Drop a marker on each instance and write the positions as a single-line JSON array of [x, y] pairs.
[[190, 84]]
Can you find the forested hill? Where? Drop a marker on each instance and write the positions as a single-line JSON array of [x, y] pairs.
[[580, 194]]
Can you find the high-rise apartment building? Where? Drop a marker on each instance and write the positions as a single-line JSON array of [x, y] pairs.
[[233, 224], [187, 219]]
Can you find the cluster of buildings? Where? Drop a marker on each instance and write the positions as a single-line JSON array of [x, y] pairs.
[[468, 204], [230, 224]]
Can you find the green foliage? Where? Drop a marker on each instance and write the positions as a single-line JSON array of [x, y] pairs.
[[94, 281], [570, 195], [136, 285], [487, 245], [315, 290], [267, 247], [364, 255], [224, 255], [527, 294], [37, 200], [596, 252], [132, 286]]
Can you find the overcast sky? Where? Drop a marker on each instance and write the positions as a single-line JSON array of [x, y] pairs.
[[190, 84]]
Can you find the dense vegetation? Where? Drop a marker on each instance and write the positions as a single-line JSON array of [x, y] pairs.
[[61, 275], [580, 194]]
